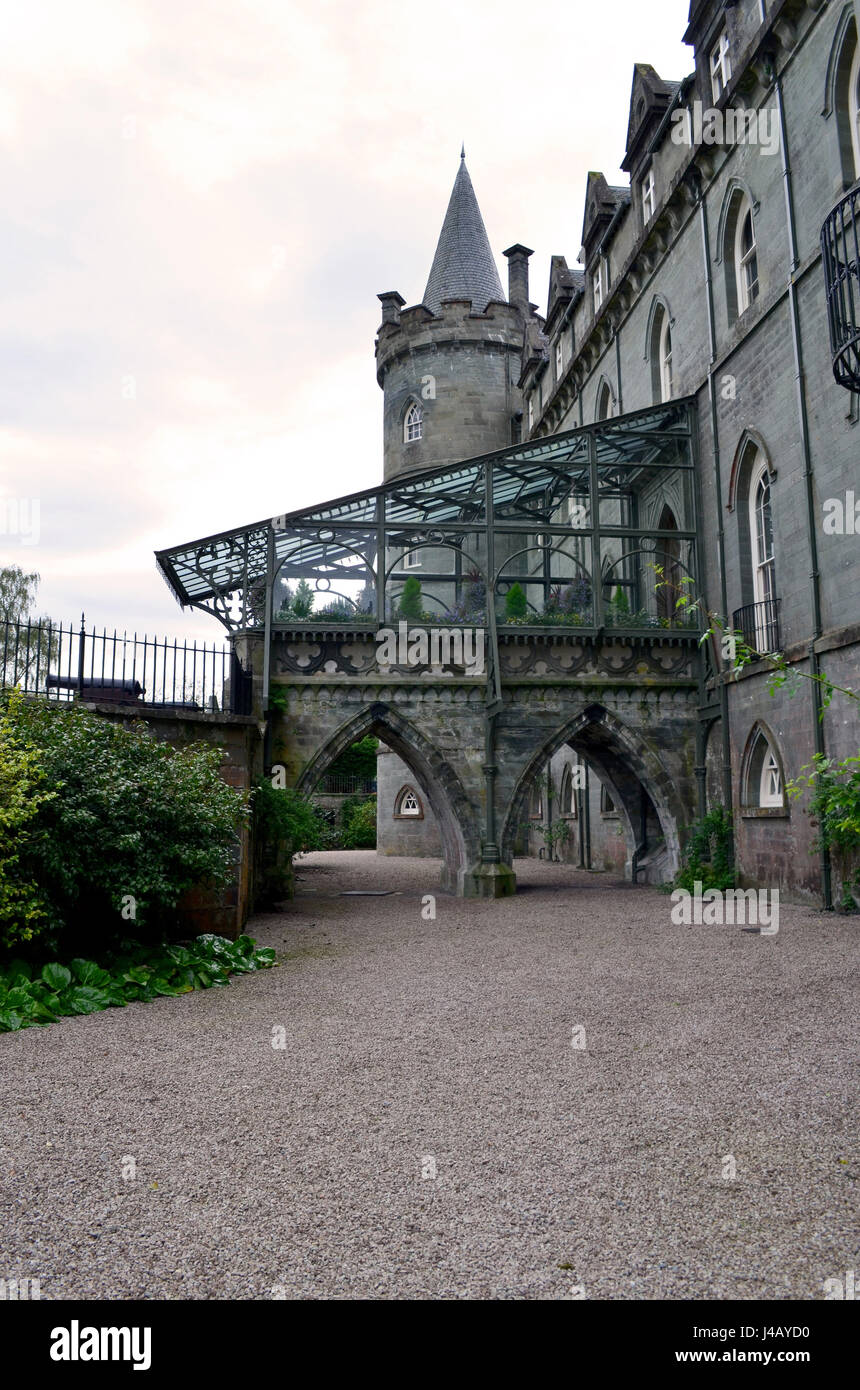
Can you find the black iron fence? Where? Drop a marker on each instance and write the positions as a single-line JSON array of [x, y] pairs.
[[840, 254], [66, 663], [758, 624], [346, 784]]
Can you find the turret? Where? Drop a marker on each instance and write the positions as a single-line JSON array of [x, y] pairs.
[[449, 366]]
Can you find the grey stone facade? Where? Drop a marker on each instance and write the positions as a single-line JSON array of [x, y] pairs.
[[661, 263]]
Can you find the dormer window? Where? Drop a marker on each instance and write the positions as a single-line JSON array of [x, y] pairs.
[[721, 66], [559, 359], [531, 412], [600, 283], [413, 423], [648, 202]]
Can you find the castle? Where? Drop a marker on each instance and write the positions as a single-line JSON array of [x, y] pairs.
[[701, 279]]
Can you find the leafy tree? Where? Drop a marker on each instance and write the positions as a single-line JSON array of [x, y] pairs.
[[410, 600], [26, 651], [515, 603], [359, 760], [303, 601]]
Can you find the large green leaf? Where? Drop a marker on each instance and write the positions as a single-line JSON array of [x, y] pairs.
[[84, 999], [19, 999], [88, 973], [10, 1022], [56, 976]]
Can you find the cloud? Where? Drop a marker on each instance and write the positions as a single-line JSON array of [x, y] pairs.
[[200, 207]]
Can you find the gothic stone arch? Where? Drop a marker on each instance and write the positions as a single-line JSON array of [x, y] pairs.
[[458, 823], [625, 762]]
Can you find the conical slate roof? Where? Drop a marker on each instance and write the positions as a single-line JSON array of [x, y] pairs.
[[463, 266]]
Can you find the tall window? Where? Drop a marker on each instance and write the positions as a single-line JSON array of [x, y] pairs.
[[412, 423], [665, 358], [761, 538], [604, 402], [746, 257], [648, 197], [659, 353], [531, 412], [567, 798], [600, 283], [412, 560], [854, 108], [721, 66], [559, 359], [669, 558]]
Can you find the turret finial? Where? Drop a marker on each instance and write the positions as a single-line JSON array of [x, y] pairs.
[[463, 150]]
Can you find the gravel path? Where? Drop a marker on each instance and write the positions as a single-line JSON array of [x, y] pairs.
[[445, 1046]]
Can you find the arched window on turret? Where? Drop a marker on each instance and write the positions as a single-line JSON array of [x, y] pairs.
[[407, 805], [413, 423]]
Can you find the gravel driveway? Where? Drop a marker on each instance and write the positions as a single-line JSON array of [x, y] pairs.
[[429, 1130]]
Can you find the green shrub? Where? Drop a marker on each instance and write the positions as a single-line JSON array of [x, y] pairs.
[[30, 995], [515, 603], [411, 601], [834, 809], [286, 823], [359, 825], [129, 823], [708, 856], [24, 909]]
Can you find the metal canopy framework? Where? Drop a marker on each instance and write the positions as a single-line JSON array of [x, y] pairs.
[[596, 527]]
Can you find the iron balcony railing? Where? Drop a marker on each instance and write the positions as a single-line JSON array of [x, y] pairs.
[[840, 254], [758, 624], [66, 663]]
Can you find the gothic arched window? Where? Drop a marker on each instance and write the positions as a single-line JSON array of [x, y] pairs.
[[763, 782], [413, 423], [761, 534], [844, 95], [407, 804], [604, 402], [745, 257], [659, 349]]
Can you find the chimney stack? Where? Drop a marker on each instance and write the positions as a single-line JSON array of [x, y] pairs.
[[518, 277], [392, 303]]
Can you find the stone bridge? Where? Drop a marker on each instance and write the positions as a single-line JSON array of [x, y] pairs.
[[574, 556], [629, 707]]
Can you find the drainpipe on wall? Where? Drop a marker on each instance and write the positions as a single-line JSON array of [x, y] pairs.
[[728, 799], [803, 420]]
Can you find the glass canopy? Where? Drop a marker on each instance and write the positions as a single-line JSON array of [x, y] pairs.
[[593, 528]]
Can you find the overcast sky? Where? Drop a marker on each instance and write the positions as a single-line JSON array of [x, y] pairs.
[[201, 202]]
